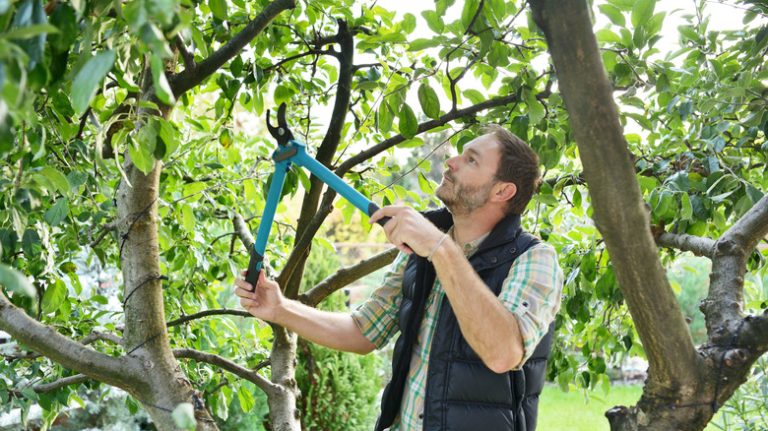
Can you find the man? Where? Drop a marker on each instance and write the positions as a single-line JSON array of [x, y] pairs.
[[471, 294]]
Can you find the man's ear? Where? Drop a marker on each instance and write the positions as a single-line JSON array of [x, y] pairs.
[[504, 191]]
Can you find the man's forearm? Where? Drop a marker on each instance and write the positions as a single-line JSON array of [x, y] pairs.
[[489, 328], [335, 330]]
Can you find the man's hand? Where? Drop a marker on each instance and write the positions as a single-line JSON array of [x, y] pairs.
[[408, 230], [265, 302]]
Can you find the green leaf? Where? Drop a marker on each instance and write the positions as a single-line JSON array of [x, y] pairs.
[[162, 88], [188, 218], [57, 212], [141, 160], [89, 78], [29, 31], [56, 178], [246, 398], [54, 295], [408, 123], [434, 21], [421, 44], [686, 210], [607, 36], [430, 104], [425, 185], [184, 416], [536, 110], [498, 55], [16, 282], [654, 24], [169, 135], [411, 143], [613, 13], [409, 24], [642, 11], [474, 96], [468, 12], [30, 244], [218, 8]]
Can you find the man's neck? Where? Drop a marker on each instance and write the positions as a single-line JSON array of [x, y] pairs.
[[468, 227]]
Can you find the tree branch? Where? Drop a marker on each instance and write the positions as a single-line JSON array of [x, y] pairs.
[[190, 77], [243, 231], [95, 335], [65, 381], [268, 387], [619, 210], [106, 229], [347, 275], [754, 334], [699, 246], [206, 313], [723, 306], [186, 56], [325, 152], [121, 372], [751, 227], [302, 55]]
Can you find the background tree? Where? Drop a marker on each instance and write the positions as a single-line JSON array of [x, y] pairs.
[[685, 385], [131, 138]]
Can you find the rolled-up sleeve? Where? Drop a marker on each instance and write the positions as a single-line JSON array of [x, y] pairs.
[[377, 316], [532, 292]]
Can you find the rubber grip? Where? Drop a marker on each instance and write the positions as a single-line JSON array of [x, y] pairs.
[[372, 208], [254, 268]]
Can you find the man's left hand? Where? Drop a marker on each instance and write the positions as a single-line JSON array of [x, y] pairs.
[[408, 230]]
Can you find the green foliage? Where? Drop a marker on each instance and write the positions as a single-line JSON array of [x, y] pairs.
[[747, 410], [339, 390], [689, 277]]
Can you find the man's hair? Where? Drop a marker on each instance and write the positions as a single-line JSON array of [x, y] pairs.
[[518, 164]]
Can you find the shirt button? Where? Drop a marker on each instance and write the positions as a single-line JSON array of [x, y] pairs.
[[421, 415], [494, 259]]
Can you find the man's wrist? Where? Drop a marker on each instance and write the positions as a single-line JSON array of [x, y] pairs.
[[443, 253], [283, 312]]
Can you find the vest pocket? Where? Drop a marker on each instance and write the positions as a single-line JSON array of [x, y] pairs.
[[474, 382], [478, 417]]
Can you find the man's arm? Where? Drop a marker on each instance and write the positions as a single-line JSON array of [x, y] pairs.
[[335, 330], [490, 329]]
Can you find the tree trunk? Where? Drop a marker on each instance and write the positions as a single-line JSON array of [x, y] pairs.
[[163, 386], [685, 386], [283, 414]]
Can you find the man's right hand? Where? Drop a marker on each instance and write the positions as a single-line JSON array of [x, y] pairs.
[[265, 301]]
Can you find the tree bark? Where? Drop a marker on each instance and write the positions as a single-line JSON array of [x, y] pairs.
[[283, 414]]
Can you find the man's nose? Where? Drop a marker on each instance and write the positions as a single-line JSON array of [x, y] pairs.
[[451, 163]]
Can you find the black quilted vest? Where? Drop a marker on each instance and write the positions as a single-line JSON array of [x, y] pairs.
[[462, 393]]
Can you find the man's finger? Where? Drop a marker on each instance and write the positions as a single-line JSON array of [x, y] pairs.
[[244, 284], [387, 211], [243, 292]]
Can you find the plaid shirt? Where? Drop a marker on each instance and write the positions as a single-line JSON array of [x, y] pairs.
[[531, 292]]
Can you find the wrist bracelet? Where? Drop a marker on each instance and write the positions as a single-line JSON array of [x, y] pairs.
[[437, 245]]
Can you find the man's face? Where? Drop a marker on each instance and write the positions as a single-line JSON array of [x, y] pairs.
[[470, 176]]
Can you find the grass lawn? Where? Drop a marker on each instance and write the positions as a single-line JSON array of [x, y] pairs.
[[572, 411]]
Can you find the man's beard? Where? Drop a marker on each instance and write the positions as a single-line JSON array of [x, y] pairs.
[[462, 199]]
